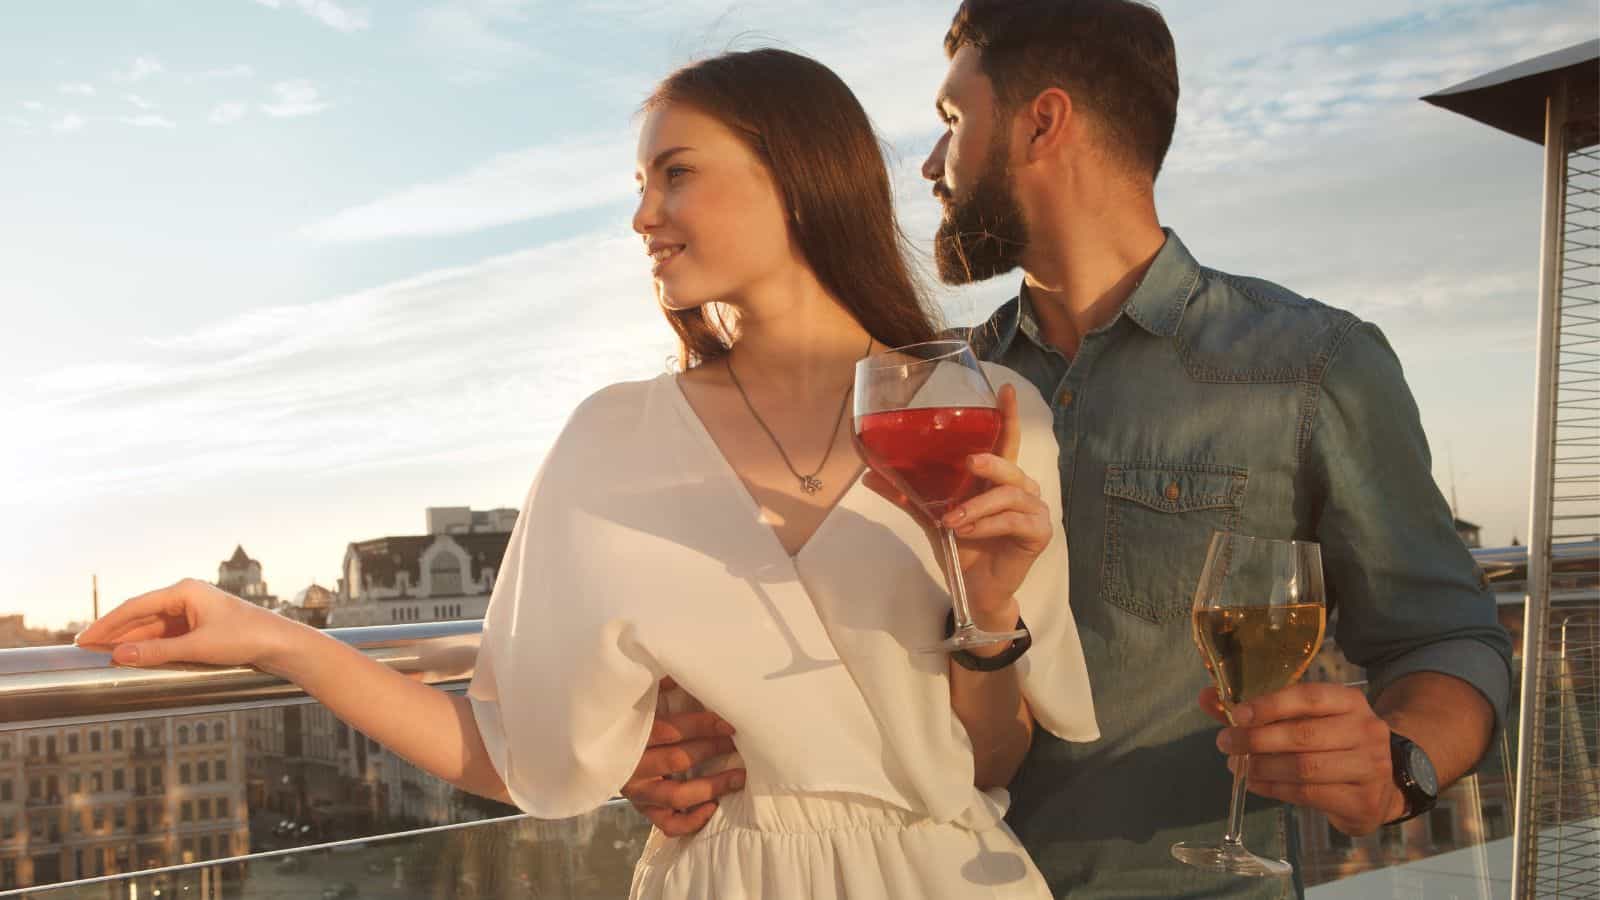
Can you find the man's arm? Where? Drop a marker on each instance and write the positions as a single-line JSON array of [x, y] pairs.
[[1412, 609]]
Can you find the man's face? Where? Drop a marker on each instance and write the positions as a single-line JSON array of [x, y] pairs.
[[982, 233]]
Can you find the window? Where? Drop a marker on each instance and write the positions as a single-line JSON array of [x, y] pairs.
[[186, 812], [5, 750], [1337, 839], [118, 780], [200, 733], [216, 731], [116, 739], [155, 775], [99, 818], [72, 743], [74, 783], [97, 782], [8, 828], [50, 746], [203, 773], [222, 807], [35, 789], [204, 809], [119, 818], [446, 573], [5, 791], [221, 770], [94, 742], [183, 773], [183, 734], [205, 847], [33, 746]]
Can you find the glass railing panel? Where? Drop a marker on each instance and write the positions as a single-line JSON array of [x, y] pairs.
[[590, 856]]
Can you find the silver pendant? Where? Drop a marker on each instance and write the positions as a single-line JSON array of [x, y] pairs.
[[810, 484]]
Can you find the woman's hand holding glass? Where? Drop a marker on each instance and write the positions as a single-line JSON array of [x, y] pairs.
[[191, 621], [1000, 532]]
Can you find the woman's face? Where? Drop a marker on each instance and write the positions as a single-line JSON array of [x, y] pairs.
[[712, 219]]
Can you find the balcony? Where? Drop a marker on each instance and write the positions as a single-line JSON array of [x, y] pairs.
[[301, 830]]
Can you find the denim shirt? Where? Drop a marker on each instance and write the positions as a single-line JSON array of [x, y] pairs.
[[1213, 401]]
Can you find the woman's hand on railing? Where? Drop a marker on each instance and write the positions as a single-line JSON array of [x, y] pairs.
[[191, 621]]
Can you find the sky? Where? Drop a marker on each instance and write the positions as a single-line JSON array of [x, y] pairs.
[[284, 273]]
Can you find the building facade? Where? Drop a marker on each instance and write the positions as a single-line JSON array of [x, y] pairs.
[[448, 573]]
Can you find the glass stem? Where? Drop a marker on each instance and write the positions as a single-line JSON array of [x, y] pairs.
[[958, 587], [1235, 833]]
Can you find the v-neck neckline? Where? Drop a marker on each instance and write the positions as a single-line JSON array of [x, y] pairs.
[[742, 489]]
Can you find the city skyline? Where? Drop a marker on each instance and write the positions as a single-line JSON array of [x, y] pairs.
[[286, 274]]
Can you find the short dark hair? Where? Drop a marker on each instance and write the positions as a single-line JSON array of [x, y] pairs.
[[1114, 57]]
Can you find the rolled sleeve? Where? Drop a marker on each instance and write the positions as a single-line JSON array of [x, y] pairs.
[[1408, 594]]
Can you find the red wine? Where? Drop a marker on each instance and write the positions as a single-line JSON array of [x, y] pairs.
[[924, 451]]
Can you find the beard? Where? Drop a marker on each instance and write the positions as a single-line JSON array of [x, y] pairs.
[[983, 235]]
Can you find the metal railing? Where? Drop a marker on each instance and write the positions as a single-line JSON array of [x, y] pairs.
[[42, 686]]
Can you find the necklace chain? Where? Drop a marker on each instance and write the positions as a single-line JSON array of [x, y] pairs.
[[811, 484]]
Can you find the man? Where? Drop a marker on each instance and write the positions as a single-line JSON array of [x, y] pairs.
[[1186, 400]]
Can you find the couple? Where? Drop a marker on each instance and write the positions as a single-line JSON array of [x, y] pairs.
[[676, 532]]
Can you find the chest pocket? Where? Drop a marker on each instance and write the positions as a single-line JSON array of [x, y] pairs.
[[1159, 519]]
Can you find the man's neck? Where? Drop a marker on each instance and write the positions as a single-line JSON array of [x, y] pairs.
[[1080, 270]]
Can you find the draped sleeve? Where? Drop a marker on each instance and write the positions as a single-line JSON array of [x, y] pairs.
[[1055, 679], [563, 693]]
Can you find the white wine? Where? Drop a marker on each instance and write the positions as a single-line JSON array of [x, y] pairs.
[[1255, 650]]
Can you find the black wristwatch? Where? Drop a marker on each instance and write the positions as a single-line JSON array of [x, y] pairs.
[[1414, 776], [988, 663]]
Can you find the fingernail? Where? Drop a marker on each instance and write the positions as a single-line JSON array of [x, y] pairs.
[[724, 729], [976, 462], [1242, 715], [126, 653], [955, 515], [78, 637], [1225, 741]]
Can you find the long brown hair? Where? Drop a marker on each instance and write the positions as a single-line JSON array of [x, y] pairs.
[[809, 130]]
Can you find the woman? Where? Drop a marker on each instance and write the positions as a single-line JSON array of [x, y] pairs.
[[708, 526]]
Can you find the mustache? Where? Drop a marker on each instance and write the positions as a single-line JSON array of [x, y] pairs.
[[941, 191]]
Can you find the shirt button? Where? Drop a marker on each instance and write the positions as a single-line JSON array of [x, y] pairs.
[[1064, 398], [1172, 491]]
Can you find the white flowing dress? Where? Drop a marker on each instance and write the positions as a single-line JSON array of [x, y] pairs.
[[640, 554]]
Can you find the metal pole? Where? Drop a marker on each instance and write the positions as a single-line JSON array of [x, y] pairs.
[[1536, 611]]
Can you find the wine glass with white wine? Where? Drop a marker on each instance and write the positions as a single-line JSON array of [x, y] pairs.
[[1259, 614]]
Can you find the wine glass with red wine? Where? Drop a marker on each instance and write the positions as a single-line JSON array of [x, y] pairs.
[[920, 412], [1258, 622]]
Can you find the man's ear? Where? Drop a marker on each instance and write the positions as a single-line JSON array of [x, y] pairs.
[[1049, 123]]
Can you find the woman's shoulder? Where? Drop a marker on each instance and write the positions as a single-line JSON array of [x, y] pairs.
[[620, 402]]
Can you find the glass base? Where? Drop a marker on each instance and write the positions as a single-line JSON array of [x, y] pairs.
[[973, 636], [1230, 857]]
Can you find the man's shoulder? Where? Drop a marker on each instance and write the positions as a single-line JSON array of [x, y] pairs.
[[1242, 323], [988, 338]]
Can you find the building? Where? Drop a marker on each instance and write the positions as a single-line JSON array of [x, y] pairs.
[[240, 576], [310, 606], [447, 573], [14, 632], [1471, 533]]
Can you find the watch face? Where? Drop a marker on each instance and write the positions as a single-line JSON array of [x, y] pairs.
[[1422, 770]]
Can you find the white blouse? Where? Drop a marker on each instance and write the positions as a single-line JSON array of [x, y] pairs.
[[640, 553]]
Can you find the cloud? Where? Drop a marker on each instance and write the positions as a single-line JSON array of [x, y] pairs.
[[238, 70], [140, 102], [77, 89], [69, 122], [295, 98], [143, 67], [148, 120], [226, 113], [364, 380], [33, 106], [471, 38], [564, 176], [327, 12]]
